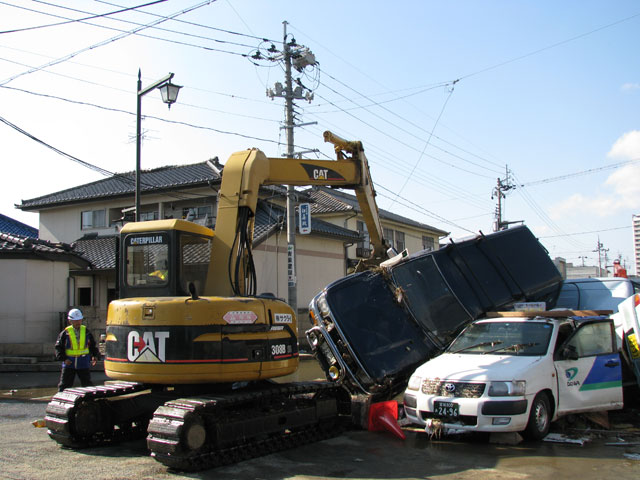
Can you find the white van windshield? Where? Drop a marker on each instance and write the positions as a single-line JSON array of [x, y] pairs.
[[503, 338]]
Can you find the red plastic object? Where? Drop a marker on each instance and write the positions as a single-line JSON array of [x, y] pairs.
[[383, 416]]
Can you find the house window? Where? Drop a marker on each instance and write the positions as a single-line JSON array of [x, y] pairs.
[[84, 296], [193, 213], [388, 236], [112, 294], [144, 216], [363, 247], [400, 245], [428, 243], [93, 219]]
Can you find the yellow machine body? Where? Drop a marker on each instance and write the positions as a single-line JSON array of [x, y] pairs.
[[178, 340]]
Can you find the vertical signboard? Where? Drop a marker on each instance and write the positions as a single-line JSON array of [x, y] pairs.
[[291, 266], [304, 220]]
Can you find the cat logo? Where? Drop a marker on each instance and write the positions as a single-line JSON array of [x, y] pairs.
[[320, 174], [148, 347], [316, 173]]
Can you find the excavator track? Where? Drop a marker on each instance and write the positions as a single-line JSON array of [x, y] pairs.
[[84, 417], [207, 431]]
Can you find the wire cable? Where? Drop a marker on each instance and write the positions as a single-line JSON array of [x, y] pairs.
[[581, 173], [97, 15], [549, 47], [130, 22], [104, 42]]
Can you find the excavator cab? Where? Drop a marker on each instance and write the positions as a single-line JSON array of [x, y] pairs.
[[163, 258]]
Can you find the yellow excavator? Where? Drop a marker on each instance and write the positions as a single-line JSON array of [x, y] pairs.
[[191, 348]]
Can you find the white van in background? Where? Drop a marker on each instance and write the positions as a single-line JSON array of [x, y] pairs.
[[601, 293]]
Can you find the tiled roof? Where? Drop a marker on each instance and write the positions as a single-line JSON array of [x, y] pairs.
[[100, 251], [12, 246], [325, 201], [269, 216], [164, 178], [330, 200], [14, 227]]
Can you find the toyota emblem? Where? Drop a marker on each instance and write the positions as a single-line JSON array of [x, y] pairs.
[[450, 387]]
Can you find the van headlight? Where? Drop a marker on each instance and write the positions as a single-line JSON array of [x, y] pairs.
[[414, 382], [507, 389], [323, 306]]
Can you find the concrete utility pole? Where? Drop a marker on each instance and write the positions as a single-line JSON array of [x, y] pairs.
[[601, 251], [502, 186], [293, 56], [291, 192]]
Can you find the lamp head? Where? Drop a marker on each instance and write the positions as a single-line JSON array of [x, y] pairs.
[[169, 93]]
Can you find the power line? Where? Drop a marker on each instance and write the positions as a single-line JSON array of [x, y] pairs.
[[401, 142], [449, 84], [412, 105], [542, 215], [200, 25], [427, 142], [583, 172], [592, 231], [402, 129], [67, 21], [223, 94], [102, 171], [177, 122], [385, 159], [131, 22], [549, 47], [421, 209], [104, 42]]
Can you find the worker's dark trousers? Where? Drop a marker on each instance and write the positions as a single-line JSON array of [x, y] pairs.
[[68, 374]]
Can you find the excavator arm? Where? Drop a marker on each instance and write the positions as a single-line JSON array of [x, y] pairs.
[[231, 268]]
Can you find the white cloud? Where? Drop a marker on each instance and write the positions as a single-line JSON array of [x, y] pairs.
[[621, 190], [630, 86], [627, 146], [625, 183]]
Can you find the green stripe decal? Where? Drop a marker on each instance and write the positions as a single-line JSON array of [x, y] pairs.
[[600, 386]]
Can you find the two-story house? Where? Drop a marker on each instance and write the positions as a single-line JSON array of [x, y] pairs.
[[91, 215]]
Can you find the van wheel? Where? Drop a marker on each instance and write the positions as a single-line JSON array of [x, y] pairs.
[[539, 418]]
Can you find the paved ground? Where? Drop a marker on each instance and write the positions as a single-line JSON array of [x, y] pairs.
[[28, 453]]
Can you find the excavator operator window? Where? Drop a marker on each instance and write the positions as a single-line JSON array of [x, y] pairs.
[[194, 261], [147, 260]]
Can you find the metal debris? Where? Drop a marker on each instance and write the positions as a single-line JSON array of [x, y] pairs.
[[560, 438]]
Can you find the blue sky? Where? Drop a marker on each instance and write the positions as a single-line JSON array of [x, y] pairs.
[[549, 89]]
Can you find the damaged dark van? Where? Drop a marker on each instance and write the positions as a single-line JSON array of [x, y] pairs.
[[371, 330]]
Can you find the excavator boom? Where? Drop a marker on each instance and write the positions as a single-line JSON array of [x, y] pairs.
[[246, 171]]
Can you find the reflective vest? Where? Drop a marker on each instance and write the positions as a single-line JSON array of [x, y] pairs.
[[77, 348]]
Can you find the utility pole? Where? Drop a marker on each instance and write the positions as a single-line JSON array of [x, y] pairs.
[[601, 251], [292, 285], [501, 187], [298, 57]]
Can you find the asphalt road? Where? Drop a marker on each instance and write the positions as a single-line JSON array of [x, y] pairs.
[[27, 452]]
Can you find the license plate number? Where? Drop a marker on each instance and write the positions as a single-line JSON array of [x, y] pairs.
[[446, 409]]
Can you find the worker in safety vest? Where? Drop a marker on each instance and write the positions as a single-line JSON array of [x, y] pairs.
[[77, 350]]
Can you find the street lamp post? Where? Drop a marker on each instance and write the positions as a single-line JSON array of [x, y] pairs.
[[169, 93]]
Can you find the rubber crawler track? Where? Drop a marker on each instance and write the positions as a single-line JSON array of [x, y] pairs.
[[238, 426], [64, 416]]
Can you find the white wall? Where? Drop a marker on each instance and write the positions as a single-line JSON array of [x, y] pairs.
[[32, 293], [319, 260]]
